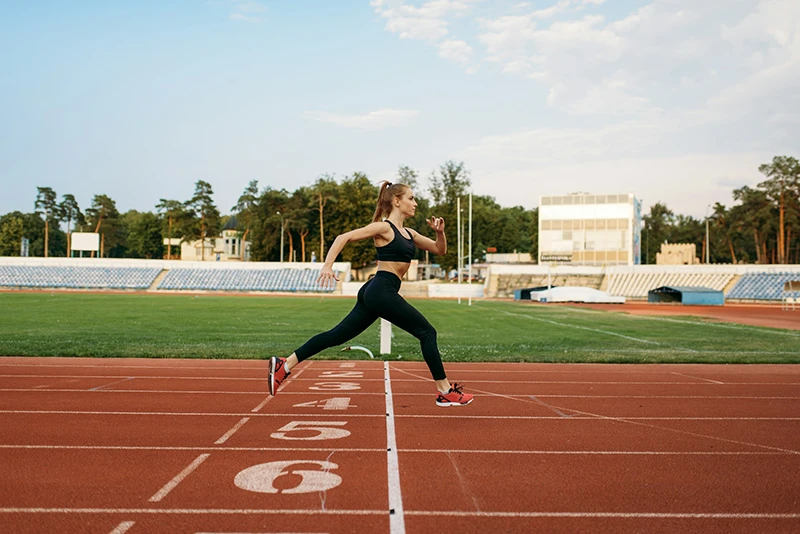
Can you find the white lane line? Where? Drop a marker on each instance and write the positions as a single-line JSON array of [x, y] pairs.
[[351, 393], [423, 416], [262, 404], [552, 408], [686, 432], [169, 486], [348, 365], [191, 511], [624, 383], [597, 330], [602, 453], [232, 431], [648, 425], [397, 523], [462, 481], [452, 513], [423, 451], [112, 383], [190, 414], [698, 378], [186, 448], [626, 515], [128, 377], [591, 418], [617, 383], [123, 527]]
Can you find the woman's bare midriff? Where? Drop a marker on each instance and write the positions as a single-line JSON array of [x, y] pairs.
[[397, 268]]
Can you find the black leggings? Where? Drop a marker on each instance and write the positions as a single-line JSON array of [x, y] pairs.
[[380, 298]]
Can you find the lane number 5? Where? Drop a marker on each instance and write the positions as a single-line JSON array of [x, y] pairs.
[[311, 430]]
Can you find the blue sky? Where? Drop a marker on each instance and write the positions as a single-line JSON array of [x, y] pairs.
[[673, 100]]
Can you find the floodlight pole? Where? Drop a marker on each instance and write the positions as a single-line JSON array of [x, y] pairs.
[[458, 246], [708, 243], [469, 251]]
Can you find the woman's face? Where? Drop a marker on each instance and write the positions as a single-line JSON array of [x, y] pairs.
[[406, 203]]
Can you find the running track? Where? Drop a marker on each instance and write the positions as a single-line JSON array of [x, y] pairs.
[[124, 445]]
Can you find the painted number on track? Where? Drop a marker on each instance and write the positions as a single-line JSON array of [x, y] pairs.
[[335, 386], [261, 478], [319, 430], [342, 374], [336, 403]]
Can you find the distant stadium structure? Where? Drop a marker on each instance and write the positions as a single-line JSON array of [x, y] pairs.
[[698, 296], [585, 229], [677, 254], [229, 246]]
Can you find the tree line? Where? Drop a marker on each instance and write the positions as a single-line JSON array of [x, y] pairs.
[[761, 228]]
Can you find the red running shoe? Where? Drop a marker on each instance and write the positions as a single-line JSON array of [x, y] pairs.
[[454, 397], [277, 373]]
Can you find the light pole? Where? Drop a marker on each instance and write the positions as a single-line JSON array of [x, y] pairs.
[[281, 216], [708, 243]]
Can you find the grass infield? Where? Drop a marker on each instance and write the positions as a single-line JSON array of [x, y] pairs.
[[208, 326]]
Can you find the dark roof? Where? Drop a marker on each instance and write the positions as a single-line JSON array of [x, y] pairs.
[[231, 224], [686, 289]]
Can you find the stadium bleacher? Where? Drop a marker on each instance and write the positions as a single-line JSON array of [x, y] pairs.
[[761, 286], [636, 285], [291, 280], [77, 277]]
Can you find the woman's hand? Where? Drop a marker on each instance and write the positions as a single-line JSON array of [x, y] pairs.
[[437, 223], [327, 278]]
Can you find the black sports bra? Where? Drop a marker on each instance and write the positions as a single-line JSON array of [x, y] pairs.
[[400, 248]]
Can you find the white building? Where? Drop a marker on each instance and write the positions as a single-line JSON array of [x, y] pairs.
[[586, 229], [227, 247]]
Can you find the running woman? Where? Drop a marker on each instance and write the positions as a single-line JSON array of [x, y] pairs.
[[379, 297]]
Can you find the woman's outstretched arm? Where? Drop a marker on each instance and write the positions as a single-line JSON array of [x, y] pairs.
[[327, 277]]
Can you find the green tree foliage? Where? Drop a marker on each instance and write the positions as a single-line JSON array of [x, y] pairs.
[[266, 230], [763, 224], [450, 184], [103, 218], [357, 198], [782, 189], [12, 230], [144, 238], [47, 206], [174, 219], [33, 230], [70, 212], [323, 192], [246, 212], [204, 216]]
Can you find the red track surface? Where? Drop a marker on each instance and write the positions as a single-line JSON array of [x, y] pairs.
[[129, 445]]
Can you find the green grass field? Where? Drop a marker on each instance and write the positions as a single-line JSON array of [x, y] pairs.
[[187, 326]]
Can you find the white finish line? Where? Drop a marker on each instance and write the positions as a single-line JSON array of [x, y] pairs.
[[433, 513], [397, 523]]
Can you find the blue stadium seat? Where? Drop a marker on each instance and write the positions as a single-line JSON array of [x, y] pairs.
[[285, 280]]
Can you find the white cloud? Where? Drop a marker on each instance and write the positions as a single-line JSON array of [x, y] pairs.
[[374, 120], [455, 50], [247, 11], [670, 77], [428, 22]]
